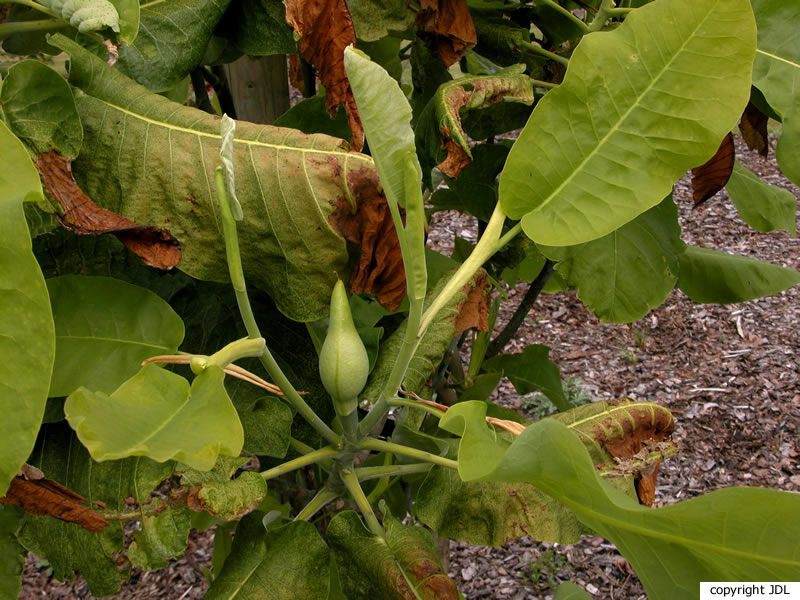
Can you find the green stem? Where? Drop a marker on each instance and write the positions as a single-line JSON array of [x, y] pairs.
[[367, 473], [545, 84], [381, 446], [37, 6], [299, 446], [560, 9], [237, 279], [351, 483], [489, 243], [244, 348], [9, 29], [317, 502], [350, 425], [606, 11], [300, 462], [539, 50], [421, 406]]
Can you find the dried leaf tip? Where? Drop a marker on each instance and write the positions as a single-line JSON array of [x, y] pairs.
[[227, 129]]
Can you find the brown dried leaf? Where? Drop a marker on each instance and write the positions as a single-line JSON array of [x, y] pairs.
[[379, 270], [451, 23], [711, 177], [46, 497], [473, 312], [645, 483], [753, 126], [325, 30], [156, 247]]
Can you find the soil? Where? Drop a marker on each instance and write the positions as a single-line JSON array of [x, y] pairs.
[[729, 374]]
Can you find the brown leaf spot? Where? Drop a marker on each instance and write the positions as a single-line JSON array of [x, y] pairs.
[[753, 126], [451, 23], [379, 270], [474, 310], [156, 247], [325, 30], [711, 177], [46, 497]]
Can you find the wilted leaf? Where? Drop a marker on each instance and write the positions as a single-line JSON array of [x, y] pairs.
[[162, 172], [325, 30], [532, 371], [39, 107], [668, 95], [173, 37], [762, 206], [47, 497], [451, 24], [229, 500], [403, 567], [283, 564], [710, 276], [105, 328], [440, 135], [711, 176], [156, 247], [157, 414], [162, 538], [491, 513], [27, 337], [753, 126], [379, 270]]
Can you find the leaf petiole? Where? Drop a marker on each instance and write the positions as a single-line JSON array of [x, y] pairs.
[[382, 446], [351, 483], [300, 462]]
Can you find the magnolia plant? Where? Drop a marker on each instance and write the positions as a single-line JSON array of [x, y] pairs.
[[132, 390]]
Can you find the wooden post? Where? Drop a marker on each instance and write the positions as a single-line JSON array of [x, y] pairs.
[[260, 87]]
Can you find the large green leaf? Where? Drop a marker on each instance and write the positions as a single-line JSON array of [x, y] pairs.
[[12, 555], [27, 339], [762, 206], [401, 566], [532, 371], [624, 274], [711, 276], [68, 547], [157, 414], [173, 35], [105, 328], [153, 161], [283, 564], [776, 72], [638, 107], [727, 535], [39, 107]]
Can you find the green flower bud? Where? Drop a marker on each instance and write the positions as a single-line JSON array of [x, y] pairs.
[[343, 360]]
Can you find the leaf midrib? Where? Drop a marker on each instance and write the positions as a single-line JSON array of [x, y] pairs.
[[555, 193], [780, 58], [216, 136], [88, 338]]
